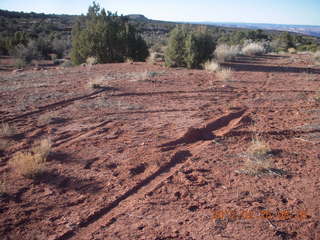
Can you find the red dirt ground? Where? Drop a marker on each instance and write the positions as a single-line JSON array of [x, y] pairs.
[[161, 157]]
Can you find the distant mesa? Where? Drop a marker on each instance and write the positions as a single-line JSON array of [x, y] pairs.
[[139, 17]]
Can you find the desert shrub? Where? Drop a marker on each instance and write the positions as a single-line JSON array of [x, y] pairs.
[[20, 63], [175, 51], [154, 57], [26, 53], [107, 37], [225, 52], [60, 46], [254, 48], [199, 47], [54, 57], [285, 41], [211, 66], [67, 64], [188, 48]]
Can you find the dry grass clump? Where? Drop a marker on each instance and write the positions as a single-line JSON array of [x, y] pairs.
[[42, 147], [225, 52], [253, 49], [257, 158], [32, 163], [316, 57], [211, 66], [129, 61], [96, 82], [292, 51], [91, 61], [224, 74], [6, 130]]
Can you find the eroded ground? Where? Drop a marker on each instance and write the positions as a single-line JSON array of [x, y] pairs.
[[157, 153]]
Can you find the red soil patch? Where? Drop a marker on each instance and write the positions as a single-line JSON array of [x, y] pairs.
[[159, 158]]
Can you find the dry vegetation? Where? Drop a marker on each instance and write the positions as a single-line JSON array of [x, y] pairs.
[[32, 163], [224, 74], [96, 82], [253, 49], [6, 130], [225, 52], [211, 66], [257, 158]]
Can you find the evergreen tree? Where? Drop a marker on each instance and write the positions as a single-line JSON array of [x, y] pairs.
[[106, 36], [188, 48]]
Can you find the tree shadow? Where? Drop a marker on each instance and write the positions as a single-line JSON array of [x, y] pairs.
[[264, 68], [66, 183]]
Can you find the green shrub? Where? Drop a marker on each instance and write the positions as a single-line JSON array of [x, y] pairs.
[[188, 48], [20, 63], [107, 37]]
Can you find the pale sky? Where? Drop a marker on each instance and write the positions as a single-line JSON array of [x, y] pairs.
[[253, 11]]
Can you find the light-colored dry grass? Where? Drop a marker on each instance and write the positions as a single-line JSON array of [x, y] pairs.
[[225, 52], [96, 82], [211, 66], [42, 147], [32, 163], [91, 61], [224, 74], [253, 49], [6, 130], [129, 61], [257, 158], [292, 51]]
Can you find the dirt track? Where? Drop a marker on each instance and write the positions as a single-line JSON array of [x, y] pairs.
[[158, 158]]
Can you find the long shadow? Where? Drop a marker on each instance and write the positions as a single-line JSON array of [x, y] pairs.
[[282, 134], [63, 102], [66, 183], [263, 68], [178, 158]]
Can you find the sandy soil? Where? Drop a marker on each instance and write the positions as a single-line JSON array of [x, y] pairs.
[[158, 153]]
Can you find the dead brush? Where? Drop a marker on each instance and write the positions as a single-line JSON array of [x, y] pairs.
[[6, 130], [42, 147], [96, 83], [31, 164], [257, 158], [212, 66], [224, 74]]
